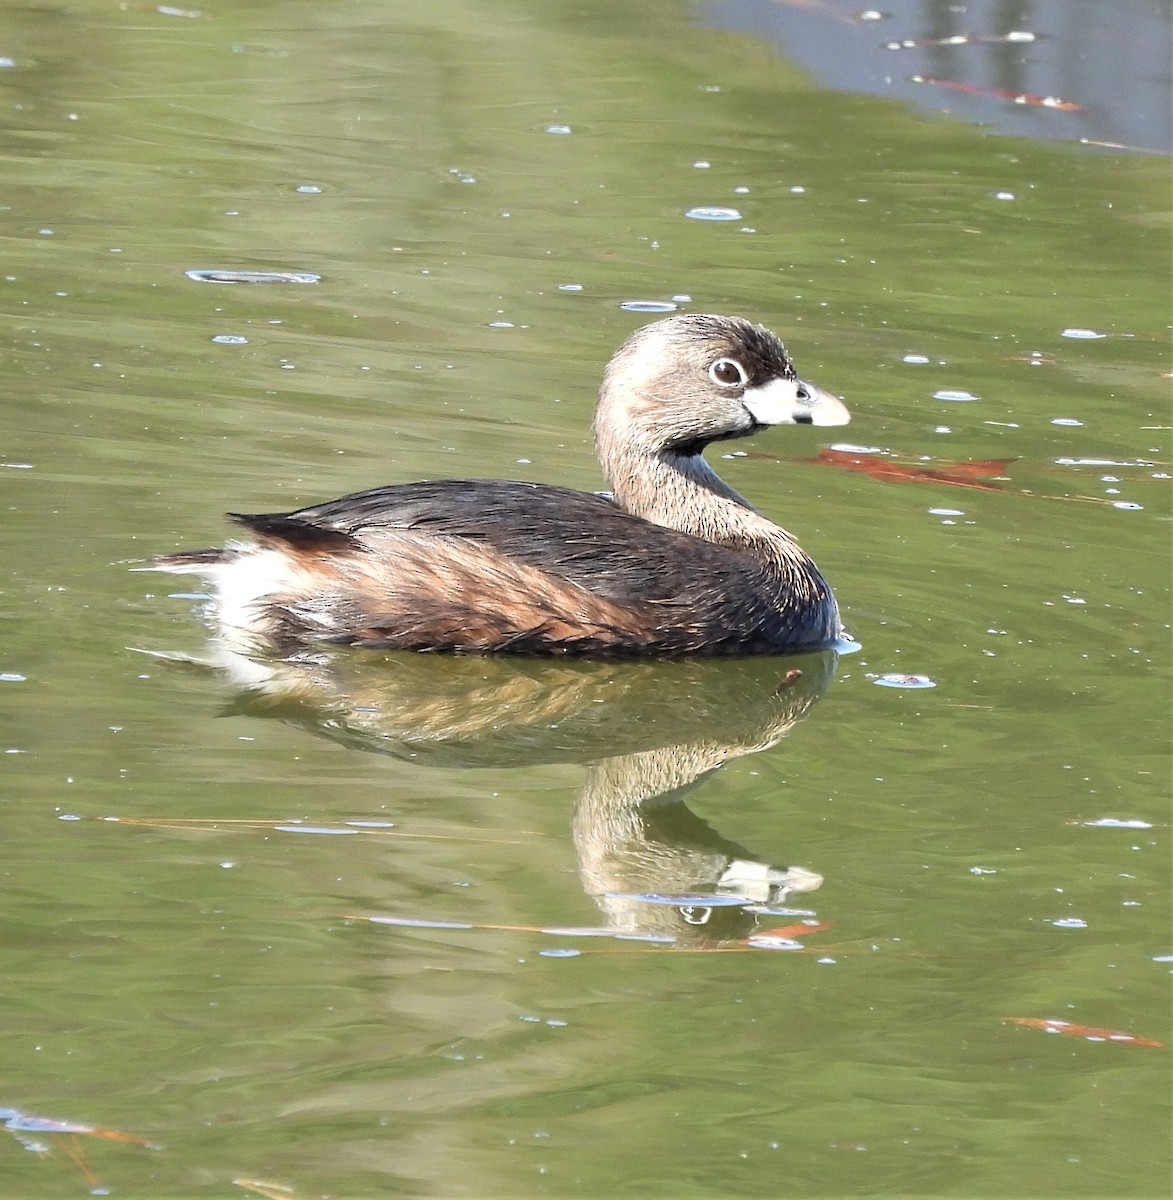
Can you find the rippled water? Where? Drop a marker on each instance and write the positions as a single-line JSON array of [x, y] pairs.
[[398, 925]]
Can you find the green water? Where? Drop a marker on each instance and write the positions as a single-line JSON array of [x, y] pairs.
[[204, 989]]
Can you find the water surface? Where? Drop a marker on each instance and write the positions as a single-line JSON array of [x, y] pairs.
[[491, 198]]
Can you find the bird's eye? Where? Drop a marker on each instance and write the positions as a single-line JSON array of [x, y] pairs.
[[695, 914], [728, 373]]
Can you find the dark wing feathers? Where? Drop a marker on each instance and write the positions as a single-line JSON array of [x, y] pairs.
[[297, 534], [599, 579], [575, 535]]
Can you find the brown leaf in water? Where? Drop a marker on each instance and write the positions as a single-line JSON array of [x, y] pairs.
[[972, 89], [1092, 1032], [967, 474], [800, 929]]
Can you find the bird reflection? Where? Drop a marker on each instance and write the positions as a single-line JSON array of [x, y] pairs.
[[648, 733]]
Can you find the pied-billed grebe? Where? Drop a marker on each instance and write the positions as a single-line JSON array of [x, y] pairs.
[[675, 563]]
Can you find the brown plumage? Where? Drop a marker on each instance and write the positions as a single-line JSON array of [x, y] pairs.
[[675, 562]]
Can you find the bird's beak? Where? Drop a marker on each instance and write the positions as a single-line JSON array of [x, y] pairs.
[[793, 402]]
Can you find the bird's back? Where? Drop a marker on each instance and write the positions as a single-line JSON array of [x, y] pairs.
[[484, 565]]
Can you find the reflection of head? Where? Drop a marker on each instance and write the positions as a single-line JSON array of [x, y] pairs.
[[653, 866]]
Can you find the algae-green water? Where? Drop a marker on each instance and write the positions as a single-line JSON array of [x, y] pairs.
[[493, 197]]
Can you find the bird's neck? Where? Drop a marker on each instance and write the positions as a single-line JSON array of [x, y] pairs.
[[682, 492]]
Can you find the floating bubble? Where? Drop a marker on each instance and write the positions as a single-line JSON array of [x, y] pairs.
[[766, 942], [322, 829], [1069, 923], [896, 679], [713, 212], [777, 910], [915, 358], [576, 931], [1093, 462], [560, 952], [686, 900], [594, 931], [230, 339], [1087, 335], [954, 394], [648, 306], [1067, 421], [226, 276], [419, 923]]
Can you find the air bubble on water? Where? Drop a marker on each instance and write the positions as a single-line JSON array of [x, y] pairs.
[[648, 306], [713, 212], [896, 679]]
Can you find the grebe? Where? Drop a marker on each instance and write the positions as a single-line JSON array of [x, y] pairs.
[[675, 562]]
